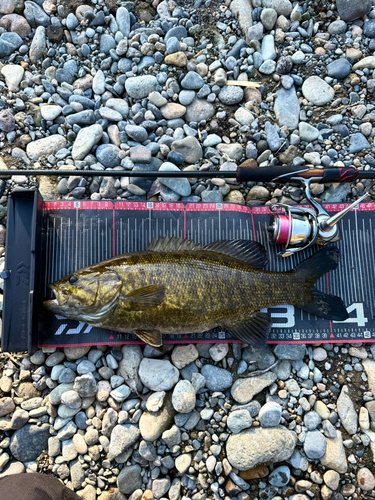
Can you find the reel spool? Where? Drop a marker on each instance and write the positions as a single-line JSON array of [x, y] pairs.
[[299, 228]]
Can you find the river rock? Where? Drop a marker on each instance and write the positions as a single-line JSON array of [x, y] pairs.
[[346, 411], [317, 91], [46, 146], [139, 87], [158, 374], [190, 149], [86, 139], [349, 11], [244, 390], [287, 108], [29, 442], [13, 74], [153, 424], [260, 446], [335, 457], [180, 186]]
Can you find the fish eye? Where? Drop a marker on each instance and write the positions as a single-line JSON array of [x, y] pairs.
[[73, 279]]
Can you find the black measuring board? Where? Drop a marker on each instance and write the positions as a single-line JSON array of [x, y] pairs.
[[81, 233]]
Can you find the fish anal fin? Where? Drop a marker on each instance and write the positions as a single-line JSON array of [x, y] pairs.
[[148, 296], [251, 252], [151, 337], [253, 330], [172, 244]]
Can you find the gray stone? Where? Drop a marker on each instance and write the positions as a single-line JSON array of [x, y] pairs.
[[123, 21], [239, 420], [180, 186], [349, 11], [294, 352], [217, 379], [231, 94], [358, 142], [107, 42], [268, 48], [260, 446], [268, 18], [282, 7], [272, 137], [336, 193], [129, 479], [287, 108], [85, 385], [29, 442], [270, 414], [255, 32], [153, 424], [280, 476], [108, 155], [339, 69], [122, 437], [268, 67], [311, 420], [158, 374], [86, 140], [98, 83], [317, 91], [192, 81], [243, 390], [139, 87], [119, 105], [136, 133], [346, 411], [190, 149], [38, 45], [46, 146], [183, 397], [307, 132], [199, 110], [315, 445], [35, 15]]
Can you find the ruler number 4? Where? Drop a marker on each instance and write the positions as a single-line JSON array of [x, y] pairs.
[[359, 317]]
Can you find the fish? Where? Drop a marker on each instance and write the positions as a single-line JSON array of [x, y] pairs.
[[178, 287]]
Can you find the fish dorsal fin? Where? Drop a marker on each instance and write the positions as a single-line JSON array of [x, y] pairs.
[[148, 296], [172, 244], [251, 252], [151, 337], [253, 330]]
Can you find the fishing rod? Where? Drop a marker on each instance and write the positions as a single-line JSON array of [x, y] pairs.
[[241, 174], [297, 228]]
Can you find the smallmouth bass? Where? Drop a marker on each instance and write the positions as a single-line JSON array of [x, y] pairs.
[[178, 287]]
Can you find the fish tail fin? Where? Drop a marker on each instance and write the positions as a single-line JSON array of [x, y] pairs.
[[316, 302]]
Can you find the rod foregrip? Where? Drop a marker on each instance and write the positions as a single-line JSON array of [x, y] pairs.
[[268, 174]]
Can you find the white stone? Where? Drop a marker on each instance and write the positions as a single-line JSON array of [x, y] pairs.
[[50, 111], [158, 374], [13, 75]]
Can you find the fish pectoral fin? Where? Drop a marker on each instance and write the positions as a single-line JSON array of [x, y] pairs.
[[148, 296], [253, 330], [151, 337], [251, 252]]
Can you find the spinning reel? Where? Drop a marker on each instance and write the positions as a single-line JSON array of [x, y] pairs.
[[299, 228]]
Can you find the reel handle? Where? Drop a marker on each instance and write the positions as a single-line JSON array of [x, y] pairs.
[[284, 174]]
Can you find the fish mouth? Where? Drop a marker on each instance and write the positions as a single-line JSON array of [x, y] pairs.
[[56, 303]]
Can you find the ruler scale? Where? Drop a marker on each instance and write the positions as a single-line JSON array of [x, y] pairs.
[[131, 225]]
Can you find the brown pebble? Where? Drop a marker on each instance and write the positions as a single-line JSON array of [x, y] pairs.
[[255, 473]]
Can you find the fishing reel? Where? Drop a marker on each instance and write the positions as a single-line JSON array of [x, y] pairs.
[[299, 228]]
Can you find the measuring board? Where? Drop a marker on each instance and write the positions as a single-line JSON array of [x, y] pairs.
[[76, 234]]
